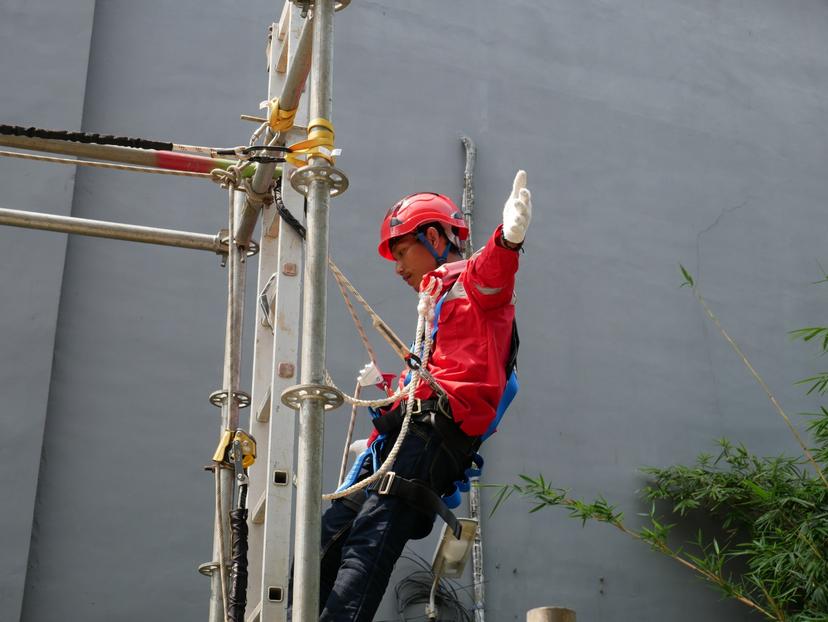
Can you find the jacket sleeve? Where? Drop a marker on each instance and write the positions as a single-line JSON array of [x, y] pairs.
[[489, 279]]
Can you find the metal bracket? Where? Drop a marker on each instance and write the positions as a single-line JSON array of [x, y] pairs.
[[307, 5], [236, 456], [208, 568], [301, 179], [219, 398], [292, 397], [223, 236]]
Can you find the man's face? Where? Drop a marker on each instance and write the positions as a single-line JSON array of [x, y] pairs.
[[413, 261]]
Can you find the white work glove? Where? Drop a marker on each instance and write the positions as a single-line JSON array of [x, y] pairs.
[[357, 447], [518, 211]]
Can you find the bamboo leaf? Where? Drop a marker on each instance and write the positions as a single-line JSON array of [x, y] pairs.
[[688, 279]]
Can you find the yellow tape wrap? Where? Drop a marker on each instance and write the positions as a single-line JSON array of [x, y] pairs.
[[279, 120], [319, 144]]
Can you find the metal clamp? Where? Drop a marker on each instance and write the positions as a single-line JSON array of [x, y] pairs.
[[219, 398], [292, 397], [223, 237], [301, 179], [236, 455]]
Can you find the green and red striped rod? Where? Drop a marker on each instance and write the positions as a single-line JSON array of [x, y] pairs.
[[167, 156]]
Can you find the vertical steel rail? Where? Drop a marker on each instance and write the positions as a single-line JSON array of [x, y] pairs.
[[478, 580], [230, 408], [235, 315], [311, 413]]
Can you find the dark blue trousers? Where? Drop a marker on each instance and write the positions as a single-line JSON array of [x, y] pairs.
[[362, 538]]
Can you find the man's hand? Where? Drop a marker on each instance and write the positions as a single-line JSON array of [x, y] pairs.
[[518, 211]]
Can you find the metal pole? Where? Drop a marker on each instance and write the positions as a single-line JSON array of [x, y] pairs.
[[300, 64], [468, 189], [297, 74], [474, 491], [112, 230], [235, 317], [236, 273], [311, 414]]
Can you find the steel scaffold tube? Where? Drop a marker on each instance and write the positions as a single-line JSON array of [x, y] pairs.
[[112, 230], [311, 414]]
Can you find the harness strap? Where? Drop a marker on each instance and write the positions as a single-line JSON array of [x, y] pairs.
[[440, 259], [433, 412], [418, 496], [391, 420]]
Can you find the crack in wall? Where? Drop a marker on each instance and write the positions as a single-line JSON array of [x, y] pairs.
[[725, 211], [697, 276]]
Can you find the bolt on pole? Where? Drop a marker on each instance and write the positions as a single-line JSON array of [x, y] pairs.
[[311, 413]]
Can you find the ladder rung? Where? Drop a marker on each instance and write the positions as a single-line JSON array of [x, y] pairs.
[[255, 614], [282, 63], [284, 22], [258, 516], [263, 411]]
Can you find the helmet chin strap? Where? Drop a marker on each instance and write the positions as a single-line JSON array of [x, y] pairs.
[[441, 259]]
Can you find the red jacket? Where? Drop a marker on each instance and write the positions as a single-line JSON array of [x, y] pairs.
[[474, 334]]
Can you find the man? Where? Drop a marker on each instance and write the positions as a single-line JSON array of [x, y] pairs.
[[364, 535]]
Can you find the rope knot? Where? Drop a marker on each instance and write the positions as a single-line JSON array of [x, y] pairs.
[[258, 198], [227, 178], [430, 289]]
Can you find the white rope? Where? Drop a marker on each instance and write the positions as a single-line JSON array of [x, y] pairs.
[[348, 437], [422, 342], [356, 401]]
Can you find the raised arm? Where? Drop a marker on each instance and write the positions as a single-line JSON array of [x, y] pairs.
[[490, 276]]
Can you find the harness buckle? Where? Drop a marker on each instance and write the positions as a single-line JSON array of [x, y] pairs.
[[417, 408], [385, 483]]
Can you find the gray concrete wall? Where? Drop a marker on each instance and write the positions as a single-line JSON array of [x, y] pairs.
[[45, 52], [653, 134]]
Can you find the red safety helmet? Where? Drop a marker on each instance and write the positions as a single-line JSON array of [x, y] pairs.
[[419, 209]]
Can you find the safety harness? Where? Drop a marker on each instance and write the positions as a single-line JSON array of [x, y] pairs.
[[436, 413]]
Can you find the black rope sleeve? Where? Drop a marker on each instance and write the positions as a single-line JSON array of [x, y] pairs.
[[289, 218], [83, 137], [237, 596]]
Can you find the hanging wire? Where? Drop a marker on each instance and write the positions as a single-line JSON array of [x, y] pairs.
[[415, 589]]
